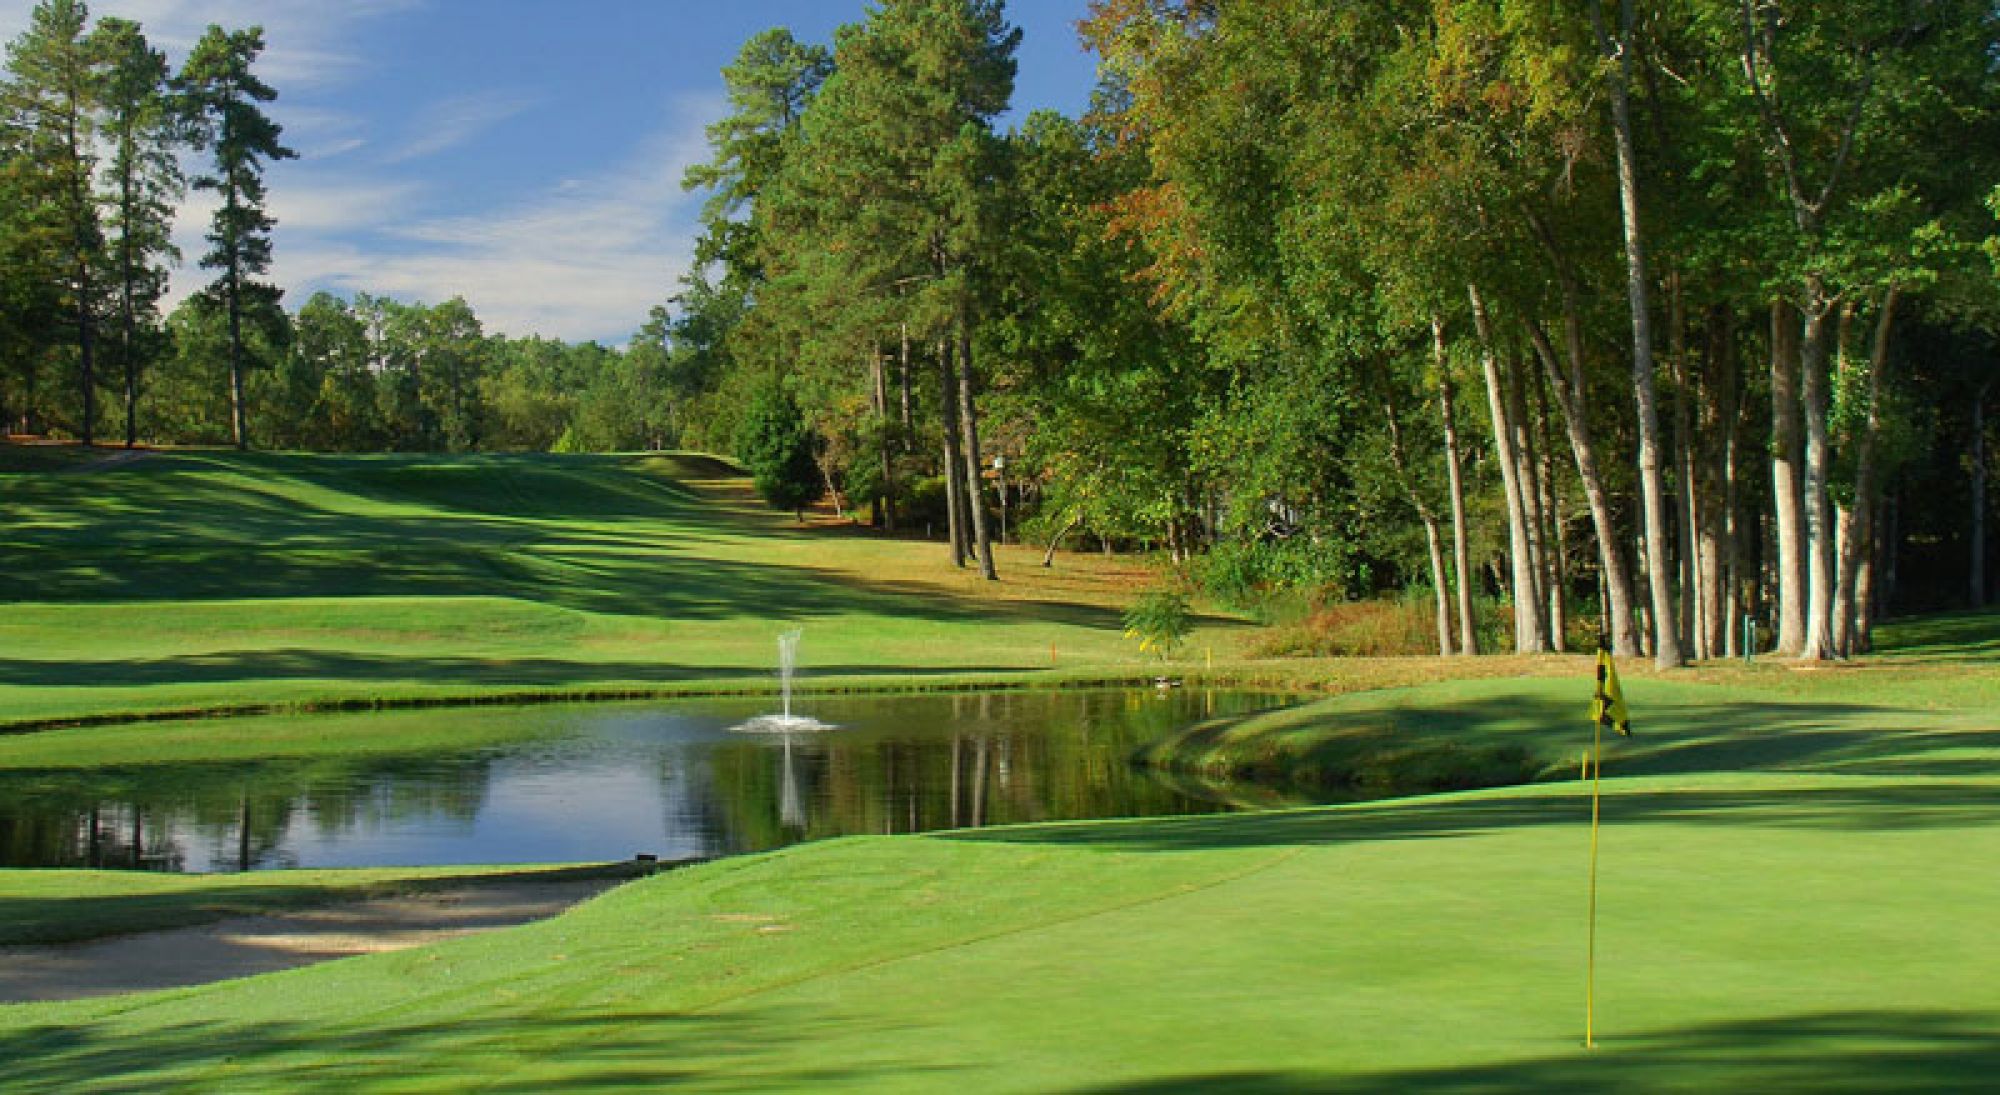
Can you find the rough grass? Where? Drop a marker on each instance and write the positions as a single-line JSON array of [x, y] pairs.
[[198, 581], [1794, 897]]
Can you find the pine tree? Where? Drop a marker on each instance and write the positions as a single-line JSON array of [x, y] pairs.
[[222, 97], [145, 182], [56, 79]]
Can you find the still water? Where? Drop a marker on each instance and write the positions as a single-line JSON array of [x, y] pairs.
[[606, 782]]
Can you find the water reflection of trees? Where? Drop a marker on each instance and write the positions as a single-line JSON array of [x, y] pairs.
[[898, 764], [964, 760], [223, 816]]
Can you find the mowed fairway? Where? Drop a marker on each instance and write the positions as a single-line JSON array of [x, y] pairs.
[[1799, 898], [209, 580]]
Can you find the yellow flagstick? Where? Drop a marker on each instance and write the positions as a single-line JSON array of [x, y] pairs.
[[1590, 959], [1607, 707]]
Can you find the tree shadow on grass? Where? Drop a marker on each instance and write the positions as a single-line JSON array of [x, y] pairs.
[[1675, 735], [1956, 637], [528, 1051], [294, 664], [587, 533], [1869, 808], [1853, 1051]]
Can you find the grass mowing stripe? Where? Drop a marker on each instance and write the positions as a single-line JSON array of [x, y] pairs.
[[1179, 891]]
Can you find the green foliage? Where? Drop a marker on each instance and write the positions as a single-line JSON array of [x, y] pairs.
[[1160, 620], [775, 443], [222, 98]]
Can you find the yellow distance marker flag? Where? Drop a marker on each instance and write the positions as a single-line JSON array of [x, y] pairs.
[[1608, 707]]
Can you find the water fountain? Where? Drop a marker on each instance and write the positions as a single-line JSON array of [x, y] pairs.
[[784, 722]]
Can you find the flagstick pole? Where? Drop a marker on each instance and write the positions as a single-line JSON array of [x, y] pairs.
[[1590, 960]]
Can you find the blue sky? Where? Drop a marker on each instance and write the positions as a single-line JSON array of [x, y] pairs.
[[524, 154]]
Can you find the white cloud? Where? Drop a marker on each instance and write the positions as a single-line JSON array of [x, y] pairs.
[[317, 133], [308, 43], [584, 259], [455, 121]]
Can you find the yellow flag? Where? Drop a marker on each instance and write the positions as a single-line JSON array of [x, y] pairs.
[[1608, 706]]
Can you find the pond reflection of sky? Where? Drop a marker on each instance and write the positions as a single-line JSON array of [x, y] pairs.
[[599, 783]]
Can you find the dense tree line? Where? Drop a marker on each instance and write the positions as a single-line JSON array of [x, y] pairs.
[[93, 128], [1652, 317], [372, 374]]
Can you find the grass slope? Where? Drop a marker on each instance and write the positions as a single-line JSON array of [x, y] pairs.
[[71, 906], [1796, 896], [191, 581]]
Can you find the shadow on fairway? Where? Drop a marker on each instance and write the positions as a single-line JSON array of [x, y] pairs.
[[1681, 731], [1870, 808], [297, 664], [1959, 637], [1872, 1051], [597, 534], [579, 1049]]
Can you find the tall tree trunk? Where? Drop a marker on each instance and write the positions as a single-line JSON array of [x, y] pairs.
[[1666, 641], [1788, 508], [129, 351], [1615, 607], [86, 340], [1977, 581], [954, 477], [1432, 539], [128, 321], [1856, 544], [83, 214], [968, 416], [903, 378], [1555, 538], [1530, 478], [1468, 634], [885, 499], [1815, 383], [1049, 556], [1866, 589], [1737, 522], [238, 426], [1530, 628], [1714, 433], [1694, 624]]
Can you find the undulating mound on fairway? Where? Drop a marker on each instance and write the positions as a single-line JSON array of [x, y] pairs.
[[1796, 897], [184, 582]]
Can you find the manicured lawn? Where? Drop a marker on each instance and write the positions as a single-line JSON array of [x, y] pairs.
[[187, 581], [1796, 896], [1797, 865]]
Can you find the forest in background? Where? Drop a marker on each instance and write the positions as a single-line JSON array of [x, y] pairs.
[[1551, 315]]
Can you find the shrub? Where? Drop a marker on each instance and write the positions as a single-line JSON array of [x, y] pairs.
[[1160, 621], [777, 446]]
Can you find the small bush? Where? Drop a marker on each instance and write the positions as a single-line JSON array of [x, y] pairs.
[[1160, 621]]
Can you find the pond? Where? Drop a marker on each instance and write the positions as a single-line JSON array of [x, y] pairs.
[[580, 783]]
